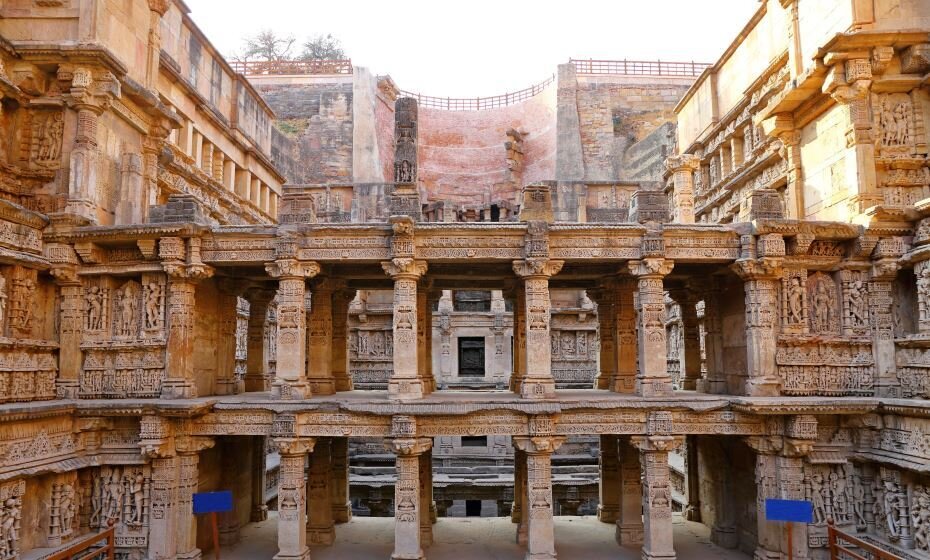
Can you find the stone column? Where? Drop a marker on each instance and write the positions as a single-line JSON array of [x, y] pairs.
[[625, 338], [89, 97], [881, 305], [691, 338], [608, 510], [682, 168], [518, 510], [291, 352], [693, 509], [319, 339], [425, 339], [227, 309], [519, 338], [340, 355], [761, 282], [320, 526], [292, 499], [606, 299], [407, 507], [184, 270], [630, 521], [188, 449], [259, 508], [163, 526], [157, 9], [406, 382], [540, 528], [535, 272], [70, 327], [256, 376], [715, 381], [427, 507], [658, 541], [652, 379], [341, 504]]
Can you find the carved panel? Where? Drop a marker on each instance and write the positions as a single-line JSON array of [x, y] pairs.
[[120, 496], [116, 373], [826, 369]]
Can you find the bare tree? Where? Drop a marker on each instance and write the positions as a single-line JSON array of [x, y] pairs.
[[267, 45], [323, 47]]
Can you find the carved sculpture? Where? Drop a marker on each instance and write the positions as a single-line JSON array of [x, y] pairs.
[[119, 498], [895, 119], [96, 303], [154, 305], [127, 299], [823, 303], [920, 517], [11, 512], [795, 301]]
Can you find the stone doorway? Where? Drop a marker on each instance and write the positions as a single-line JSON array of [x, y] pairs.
[[471, 357]]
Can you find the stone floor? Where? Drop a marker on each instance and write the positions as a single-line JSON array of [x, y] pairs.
[[487, 538]]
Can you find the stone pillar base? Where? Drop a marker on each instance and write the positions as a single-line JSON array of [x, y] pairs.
[[762, 387], [305, 555], [192, 555], [712, 386], [82, 208], [323, 536], [321, 386], [178, 389], [724, 537], [229, 387], [653, 386], [608, 514], [259, 513], [342, 513], [533, 388], [419, 556], [651, 556], [290, 390], [256, 383], [629, 534], [689, 384], [763, 554], [343, 384], [426, 536], [522, 533], [405, 389], [540, 556]]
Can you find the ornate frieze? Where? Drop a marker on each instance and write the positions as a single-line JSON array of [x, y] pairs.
[[122, 496], [826, 368]]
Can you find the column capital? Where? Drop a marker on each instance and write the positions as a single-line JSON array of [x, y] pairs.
[[537, 267], [294, 446], [653, 444], [651, 267], [159, 6], [189, 445], [538, 444], [292, 268], [404, 268], [65, 275], [683, 162], [409, 447], [765, 268]]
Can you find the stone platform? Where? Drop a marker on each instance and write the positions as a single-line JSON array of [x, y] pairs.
[[484, 538]]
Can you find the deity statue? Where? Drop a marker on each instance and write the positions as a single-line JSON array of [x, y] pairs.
[[67, 509], [3, 298], [94, 309], [795, 301], [920, 518], [153, 298], [856, 297]]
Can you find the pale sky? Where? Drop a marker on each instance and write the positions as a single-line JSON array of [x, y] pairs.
[[485, 47]]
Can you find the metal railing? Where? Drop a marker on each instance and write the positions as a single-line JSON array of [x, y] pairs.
[[479, 103], [100, 546], [638, 67], [844, 546], [291, 67]]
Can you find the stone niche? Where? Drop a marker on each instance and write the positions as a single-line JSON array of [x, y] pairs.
[[27, 332]]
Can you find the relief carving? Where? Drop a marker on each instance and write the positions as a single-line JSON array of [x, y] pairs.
[[822, 295]]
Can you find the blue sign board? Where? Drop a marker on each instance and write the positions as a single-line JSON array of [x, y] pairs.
[[799, 511], [209, 502]]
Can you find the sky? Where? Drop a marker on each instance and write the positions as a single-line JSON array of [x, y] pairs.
[[485, 47]]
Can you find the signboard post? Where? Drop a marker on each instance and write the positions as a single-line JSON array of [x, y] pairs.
[[213, 503], [789, 511]]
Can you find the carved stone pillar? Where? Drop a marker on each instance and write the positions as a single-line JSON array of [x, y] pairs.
[[518, 510], [658, 541], [85, 99], [70, 328], [630, 521], [535, 272], [881, 306], [682, 168], [425, 339], [652, 379], [426, 497], [715, 381], [692, 339], [341, 505], [407, 506], [519, 338], [188, 449], [608, 510], [157, 9], [319, 339], [340, 367], [184, 270], [540, 530], [292, 499], [257, 374], [761, 281], [227, 309], [625, 339], [693, 509], [406, 382], [320, 528], [163, 526], [606, 299], [291, 352], [259, 510]]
